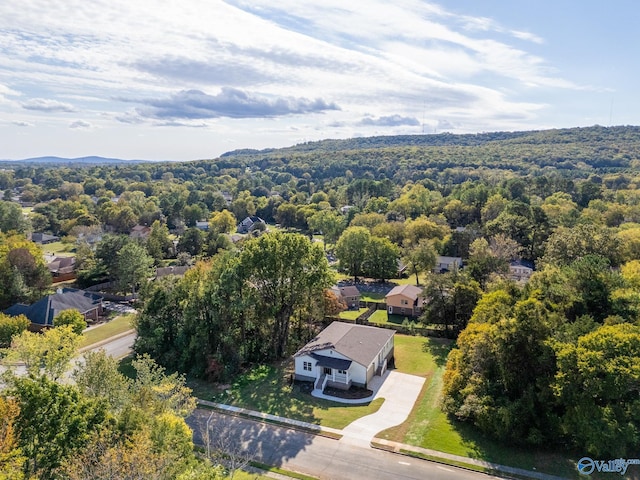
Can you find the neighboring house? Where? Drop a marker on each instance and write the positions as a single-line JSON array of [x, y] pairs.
[[402, 268], [42, 313], [404, 300], [178, 270], [249, 224], [521, 270], [43, 238], [349, 294], [345, 354], [228, 198], [447, 264], [202, 225], [140, 232], [59, 266]]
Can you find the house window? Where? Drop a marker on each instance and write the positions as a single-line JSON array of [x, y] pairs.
[[404, 302], [306, 366], [342, 372]]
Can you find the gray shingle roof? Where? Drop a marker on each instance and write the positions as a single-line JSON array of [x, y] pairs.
[[47, 308], [360, 343]]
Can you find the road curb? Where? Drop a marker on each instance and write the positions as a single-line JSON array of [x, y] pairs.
[[93, 346], [332, 433]]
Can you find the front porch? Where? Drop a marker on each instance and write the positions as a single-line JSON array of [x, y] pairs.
[[354, 395], [331, 371]]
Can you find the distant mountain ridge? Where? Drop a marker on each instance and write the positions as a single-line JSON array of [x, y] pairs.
[[556, 136], [90, 160]]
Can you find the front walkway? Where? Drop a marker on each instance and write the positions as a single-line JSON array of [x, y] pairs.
[[400, 392]]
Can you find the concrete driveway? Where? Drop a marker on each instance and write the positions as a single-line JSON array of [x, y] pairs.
[[400, 392]]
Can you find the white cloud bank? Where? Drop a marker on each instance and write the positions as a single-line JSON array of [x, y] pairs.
[[259, 73]]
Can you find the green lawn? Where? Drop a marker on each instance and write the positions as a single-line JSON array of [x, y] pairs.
[[59, 248], [267, 389], [381, 317], [118, 325], [429, 427], [352, 314], [371, 297]]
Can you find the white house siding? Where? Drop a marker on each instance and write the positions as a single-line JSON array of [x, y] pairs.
[[357, 373], [301, 373]]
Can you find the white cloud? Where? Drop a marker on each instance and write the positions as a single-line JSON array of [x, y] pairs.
[[47, 105], [81, 124], [273, 66]]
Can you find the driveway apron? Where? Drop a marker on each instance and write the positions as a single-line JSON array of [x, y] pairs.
[[400, 392]]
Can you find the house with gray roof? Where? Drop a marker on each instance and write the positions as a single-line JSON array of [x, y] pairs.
[[42, 313], [345, 354], [43, 238], [250, 223], [349, 294]]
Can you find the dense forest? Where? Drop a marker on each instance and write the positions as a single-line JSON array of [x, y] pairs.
[[553, 361]]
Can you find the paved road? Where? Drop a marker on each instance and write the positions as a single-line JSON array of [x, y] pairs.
[[120, 347], [319, 456]]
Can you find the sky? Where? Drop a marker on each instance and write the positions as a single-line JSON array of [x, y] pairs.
[[169, 80]]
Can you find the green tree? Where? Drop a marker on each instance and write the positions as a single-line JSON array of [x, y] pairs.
[[48, 353], [568, 244], [73, 318], [159, 244], [381, 259], [23, 273], [330, 223], [498, 377], [191, 242], [451, 299], [47, 439], [98, 377], [133, 267], [222, 222], [350, 250], [284, 271], [107, 253], [598, 386], [11, 218], [420, 258], [11, 326]]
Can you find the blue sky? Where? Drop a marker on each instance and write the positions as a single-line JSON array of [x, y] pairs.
[[189, 80]]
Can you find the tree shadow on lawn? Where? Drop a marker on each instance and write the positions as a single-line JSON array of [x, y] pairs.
[[439, 349], [269, 389], [521, 456]]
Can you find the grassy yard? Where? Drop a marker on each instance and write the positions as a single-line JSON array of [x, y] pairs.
[[371, 297], [352, 314], [59, 248], [381, 316], [428, 427], [267, 389], [118, 325]]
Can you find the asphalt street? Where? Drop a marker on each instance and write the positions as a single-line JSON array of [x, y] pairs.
[[320, 457]]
